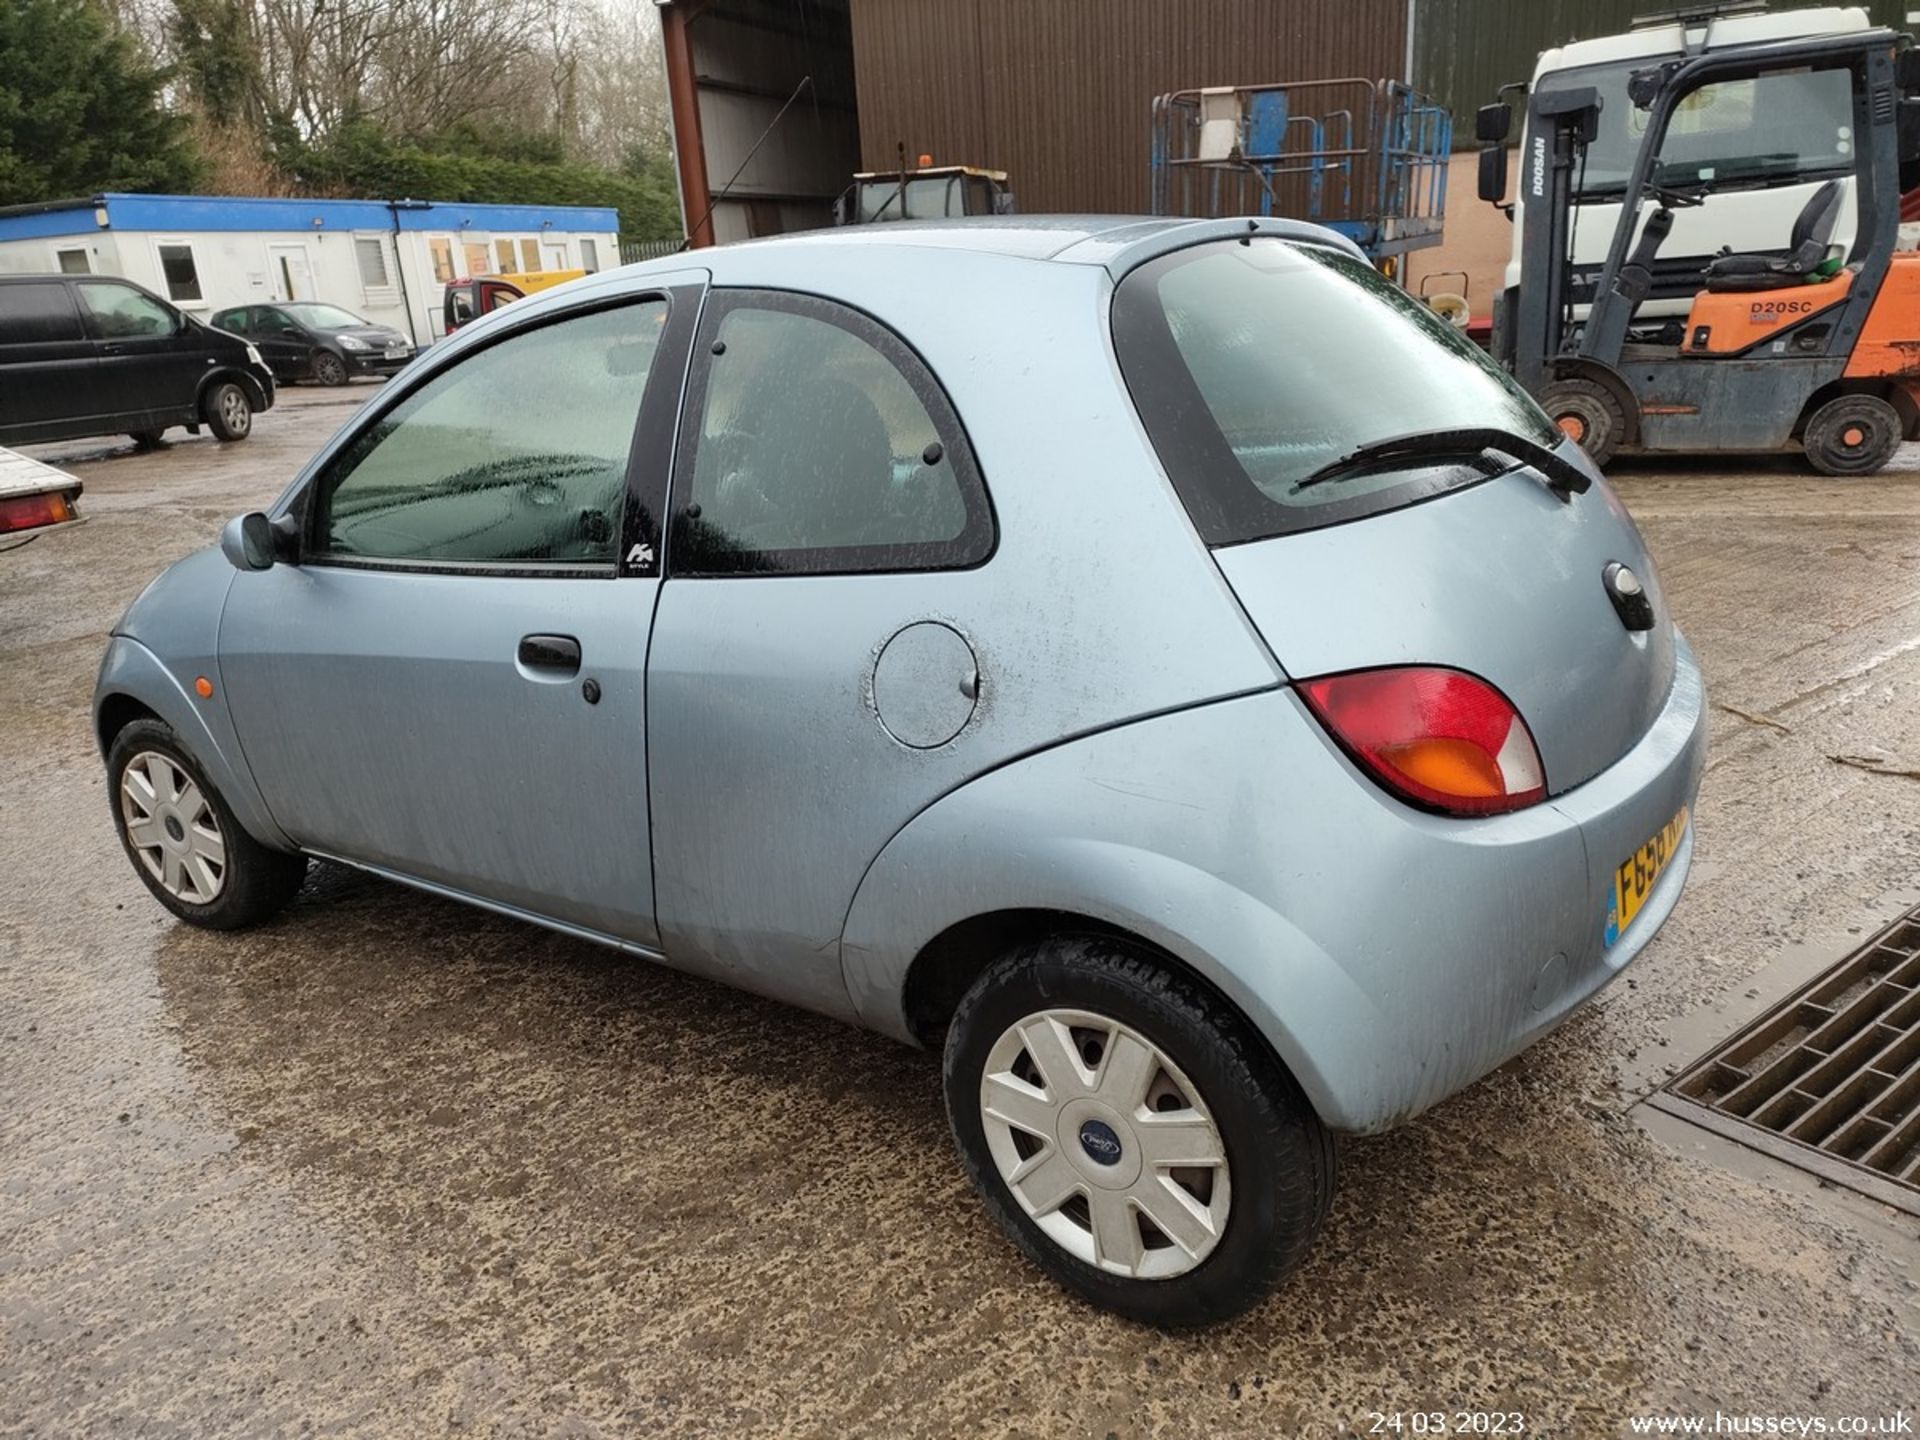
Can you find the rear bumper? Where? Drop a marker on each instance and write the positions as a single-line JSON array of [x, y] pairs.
[[1492, 932]]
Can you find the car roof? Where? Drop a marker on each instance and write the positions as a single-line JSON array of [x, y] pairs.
[[890, 268], [1027, 237], [1117, 242]]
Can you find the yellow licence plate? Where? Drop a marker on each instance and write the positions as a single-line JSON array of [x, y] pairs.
[[1634, 879]]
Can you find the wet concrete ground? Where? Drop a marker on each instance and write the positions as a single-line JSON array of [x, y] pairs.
[[395, 1167]]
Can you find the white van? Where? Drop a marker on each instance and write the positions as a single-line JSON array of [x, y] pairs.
[[1766, 145]]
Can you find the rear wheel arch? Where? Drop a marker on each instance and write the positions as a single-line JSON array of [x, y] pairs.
[[1882, 387], [946, 967]]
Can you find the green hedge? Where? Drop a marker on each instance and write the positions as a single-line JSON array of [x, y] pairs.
[[358, 160]]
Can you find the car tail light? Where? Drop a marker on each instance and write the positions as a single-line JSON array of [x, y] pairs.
[[30, 512], [1442, 739]]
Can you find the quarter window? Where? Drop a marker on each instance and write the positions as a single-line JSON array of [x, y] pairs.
[[183, 279], [37, 314], [119, 312], [820, 444], [516, 456]]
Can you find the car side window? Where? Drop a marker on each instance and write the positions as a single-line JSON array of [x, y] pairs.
[[240, 320], [119, 312], [37, 313], [821, 444], [515, 456]]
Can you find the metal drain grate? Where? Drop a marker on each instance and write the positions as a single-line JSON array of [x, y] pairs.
[[1829, 1079]]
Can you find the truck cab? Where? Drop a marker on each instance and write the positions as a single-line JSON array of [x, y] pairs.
[[1763, 146], [930, 192]]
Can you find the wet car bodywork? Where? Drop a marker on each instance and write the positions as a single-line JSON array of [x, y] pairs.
[[1135, 754]]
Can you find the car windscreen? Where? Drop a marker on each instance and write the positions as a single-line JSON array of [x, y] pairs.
[[1256, 363], [316, 316], [1779, 127]]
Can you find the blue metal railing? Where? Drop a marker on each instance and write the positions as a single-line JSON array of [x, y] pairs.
[[1365, 157]]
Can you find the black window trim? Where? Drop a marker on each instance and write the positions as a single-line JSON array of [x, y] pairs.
[[979, 538], [643, 498]]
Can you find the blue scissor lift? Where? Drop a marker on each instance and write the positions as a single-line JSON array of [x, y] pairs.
[[1365, 157]]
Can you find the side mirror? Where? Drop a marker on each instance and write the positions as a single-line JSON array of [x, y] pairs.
[[1906, 70], [1491, 123], [248, 542], [1493, 174], [1644, 86]]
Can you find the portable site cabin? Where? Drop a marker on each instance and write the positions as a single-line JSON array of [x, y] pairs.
[[389, 260]]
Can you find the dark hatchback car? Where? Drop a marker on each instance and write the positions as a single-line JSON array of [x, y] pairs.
[[311, 340], [94, 355]]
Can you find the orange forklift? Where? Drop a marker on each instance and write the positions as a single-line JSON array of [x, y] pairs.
[[1800, 348]]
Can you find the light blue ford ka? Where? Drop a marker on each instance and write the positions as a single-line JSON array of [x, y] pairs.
[[1156, 662]]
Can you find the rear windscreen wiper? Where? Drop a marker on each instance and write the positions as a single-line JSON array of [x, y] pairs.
[[1563, 477]]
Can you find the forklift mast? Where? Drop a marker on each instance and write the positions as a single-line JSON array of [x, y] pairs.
[[1560, 125]]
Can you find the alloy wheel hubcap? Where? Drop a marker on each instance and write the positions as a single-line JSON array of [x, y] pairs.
[[235, 410], [1105, 1143], [172, 828]]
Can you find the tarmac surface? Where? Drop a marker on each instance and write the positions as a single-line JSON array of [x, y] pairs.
[[391, 1166]]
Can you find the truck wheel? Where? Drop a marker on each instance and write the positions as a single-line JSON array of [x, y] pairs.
[[1132, 1134], [1852, 435], [229, 413], [1588, 414], [329, 368]]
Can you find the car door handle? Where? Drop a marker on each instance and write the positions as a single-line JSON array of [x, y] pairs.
[[557, 655]]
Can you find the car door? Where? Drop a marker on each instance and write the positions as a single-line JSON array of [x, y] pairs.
[[824, 638], [49, 374], [450, 684], [151, 360], [283, 343]]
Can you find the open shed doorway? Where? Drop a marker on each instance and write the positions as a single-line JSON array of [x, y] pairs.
[[732, 65]]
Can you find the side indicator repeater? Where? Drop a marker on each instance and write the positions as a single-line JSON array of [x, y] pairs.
[[203, 687]]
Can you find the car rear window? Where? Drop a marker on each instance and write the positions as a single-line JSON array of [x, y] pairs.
[[1254, 363]]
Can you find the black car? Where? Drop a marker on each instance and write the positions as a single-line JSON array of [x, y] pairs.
[[311, 340], [94, 355]]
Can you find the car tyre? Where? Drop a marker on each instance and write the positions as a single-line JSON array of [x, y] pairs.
[[1243, 1219], [1852, 435], [228, 412], [329, 368], [1588, 414], [183, 840]]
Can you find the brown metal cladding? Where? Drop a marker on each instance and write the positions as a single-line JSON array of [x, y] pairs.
[[1059, 93]]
